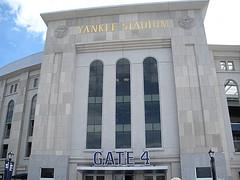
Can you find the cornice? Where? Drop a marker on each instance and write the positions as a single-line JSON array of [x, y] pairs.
[[126, 9], [122, 45]]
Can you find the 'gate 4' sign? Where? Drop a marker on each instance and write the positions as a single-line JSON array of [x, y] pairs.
[[119, 158]]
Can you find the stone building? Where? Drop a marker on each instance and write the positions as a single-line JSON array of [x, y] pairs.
[[125, 93]]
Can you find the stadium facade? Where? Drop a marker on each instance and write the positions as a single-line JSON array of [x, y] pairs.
[[129, 92]]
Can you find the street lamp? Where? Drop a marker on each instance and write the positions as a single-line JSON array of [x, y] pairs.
[[10, 156], [8, 167], [212, 161]]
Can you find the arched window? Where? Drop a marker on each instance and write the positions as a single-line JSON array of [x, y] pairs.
[[232, 94], [123, 104], [231, 91], [9, 117], [32, 115], [151, 103], [94, 120]]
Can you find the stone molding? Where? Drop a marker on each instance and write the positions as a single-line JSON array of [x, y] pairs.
[[122, 45]]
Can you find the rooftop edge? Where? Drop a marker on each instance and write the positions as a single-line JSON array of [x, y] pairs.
[[124, 9]]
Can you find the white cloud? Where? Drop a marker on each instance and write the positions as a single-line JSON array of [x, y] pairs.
[[222, 20]]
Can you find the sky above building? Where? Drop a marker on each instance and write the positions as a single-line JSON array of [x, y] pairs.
[[22, 31]]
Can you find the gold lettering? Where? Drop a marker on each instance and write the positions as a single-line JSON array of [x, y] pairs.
[[153, 24], [106, 27], [94, 28], [149, 24], [131, 25], [125, 27], [81, 28], [114, 27], [136, 26], [100, 28], [164, 23], [86, 29]]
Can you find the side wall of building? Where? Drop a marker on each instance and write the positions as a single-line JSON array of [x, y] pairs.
[[226, 71], [19, 88]]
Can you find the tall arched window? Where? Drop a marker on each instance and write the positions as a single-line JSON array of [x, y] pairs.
[[94, 121], [231, 91], [9, 119], [232, 94], [152, 104], [123, 104], [32, 115]]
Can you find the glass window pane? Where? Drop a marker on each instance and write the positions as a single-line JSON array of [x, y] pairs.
[[153, 139], [10, 111], [90, 128], [93, 140], [156, 126], [28, 149], [148, 177], [160, 178], [123, 139], [230, 65], [119, 127], [155, 97], [47, 172], [98, 128], [148, 127], [126, 98], [231, 91], [100, 178], [128, 177], [127, 127], [4, 150], [152, 104], [123, 104], [119, 98], [148, 98], [222, 65], [95, 105], [203, 172], [118, 177], [89, 177], [98, 99]]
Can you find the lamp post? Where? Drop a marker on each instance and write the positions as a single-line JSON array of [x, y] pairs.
[[8, 167], [212, 161]]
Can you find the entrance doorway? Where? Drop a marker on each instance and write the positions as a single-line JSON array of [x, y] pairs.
[[123, 177], [94, 177], [155, 177]]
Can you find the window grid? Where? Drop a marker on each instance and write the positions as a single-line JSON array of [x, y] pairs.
[[15, 87], [28, 149], [151, 104], [94, 121], [123, 104], [226, 65], [35, 82], [32, 115], [9, 117], [4, 150]]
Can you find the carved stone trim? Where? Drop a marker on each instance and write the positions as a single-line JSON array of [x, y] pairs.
[[122, 45], [186, 22], [60, 31]]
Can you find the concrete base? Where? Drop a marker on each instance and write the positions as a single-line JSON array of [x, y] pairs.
[[59, 163]]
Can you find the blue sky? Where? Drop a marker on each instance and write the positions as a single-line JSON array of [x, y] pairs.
[[22, 30], [15, 41]]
